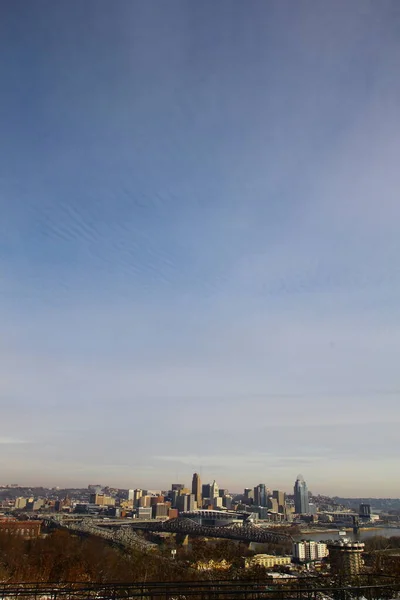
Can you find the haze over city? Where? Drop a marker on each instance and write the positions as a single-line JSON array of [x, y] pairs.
[[199, 244]]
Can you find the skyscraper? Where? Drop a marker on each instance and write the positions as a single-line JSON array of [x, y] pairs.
[[301, 496], [280, 497], [260, 495], [196, 489], [214, 491]]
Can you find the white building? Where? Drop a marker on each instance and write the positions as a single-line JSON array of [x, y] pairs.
[[308, 550]]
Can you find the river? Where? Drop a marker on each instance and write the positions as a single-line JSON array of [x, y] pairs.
[[362, 535]]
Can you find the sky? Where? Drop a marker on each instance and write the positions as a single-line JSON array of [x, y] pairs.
[[199, 243]]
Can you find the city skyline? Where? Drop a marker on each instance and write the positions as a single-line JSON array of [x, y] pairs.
[[199, 243]]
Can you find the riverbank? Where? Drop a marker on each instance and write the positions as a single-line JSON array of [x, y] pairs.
[[321, 535]]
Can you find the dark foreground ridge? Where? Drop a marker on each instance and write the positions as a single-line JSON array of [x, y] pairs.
[[195, 590]]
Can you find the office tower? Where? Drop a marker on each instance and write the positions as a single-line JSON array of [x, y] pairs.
[[185, 503], [273, 504], [137, 494], [365, 511], [248, 496], [196, 489], [144, 501], [301, 496], [178, 486], [260, 495], [160, 510], [101, 500], [130, 495], [20, 503], [281, 499], [214, 489], [346, 557], [227, 501], [206, 490]]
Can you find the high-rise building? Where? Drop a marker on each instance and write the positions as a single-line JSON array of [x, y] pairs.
[[102, 500], [137, 494], [260, 495], [227, 501], [160, 510], [273, 504], [214, 490], [196, 489], [206, 490], [248, 496], [144, 501], [130, 495], [365, 511], [281, 499], [185, 503], [346, 557], [308, 550], [301, 501], [20, 503]]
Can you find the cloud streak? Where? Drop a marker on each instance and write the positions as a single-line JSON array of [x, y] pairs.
[[198, 258]]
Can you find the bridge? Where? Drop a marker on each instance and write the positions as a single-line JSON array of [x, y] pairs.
[[349, 516], [246, 532], [125, 535], [122, 537]]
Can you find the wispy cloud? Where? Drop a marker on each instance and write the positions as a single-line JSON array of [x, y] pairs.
[[198, 264]]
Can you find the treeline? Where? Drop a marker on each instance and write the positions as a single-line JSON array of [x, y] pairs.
[[379, 542], [64, 557], [61, 557]]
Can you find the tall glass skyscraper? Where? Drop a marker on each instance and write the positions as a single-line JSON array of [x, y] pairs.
[[301, 496], [260, 495]]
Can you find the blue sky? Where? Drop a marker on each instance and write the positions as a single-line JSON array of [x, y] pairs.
[[199, 247]]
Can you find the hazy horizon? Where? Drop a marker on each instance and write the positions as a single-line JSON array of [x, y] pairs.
[[199, 243]]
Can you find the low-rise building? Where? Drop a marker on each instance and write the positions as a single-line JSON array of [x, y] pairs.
[[27, 529], [212, 565], [268, 561]]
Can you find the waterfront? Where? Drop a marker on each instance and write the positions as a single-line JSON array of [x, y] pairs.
[[363, 534]]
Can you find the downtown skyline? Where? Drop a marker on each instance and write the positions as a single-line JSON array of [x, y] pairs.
[[199, 243]]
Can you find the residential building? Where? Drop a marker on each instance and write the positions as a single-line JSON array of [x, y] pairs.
[[346, 557], [308, 550]]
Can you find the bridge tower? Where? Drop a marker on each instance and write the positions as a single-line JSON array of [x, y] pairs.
[[356, 524]]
